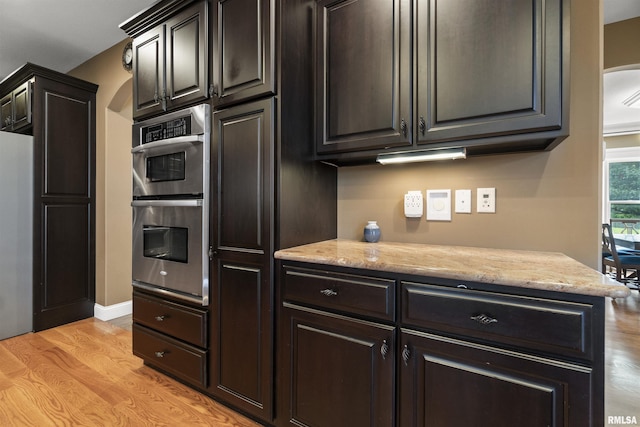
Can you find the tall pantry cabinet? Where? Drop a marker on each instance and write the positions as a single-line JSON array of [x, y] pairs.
[[59, 111], [267, 192]]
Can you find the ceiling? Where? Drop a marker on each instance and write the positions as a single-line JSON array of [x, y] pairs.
[[62, 34]]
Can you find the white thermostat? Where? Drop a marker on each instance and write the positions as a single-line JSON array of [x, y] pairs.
[[438, 205]]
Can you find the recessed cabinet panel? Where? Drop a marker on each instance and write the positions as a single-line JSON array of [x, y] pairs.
[[22, 106], [66, 153], [242, 347], [487, 69], [244, 47], [186, 56], [148, 76], [67, 265], [339, 370], [244, 141], [363, 74], [6, 109], [446, 382]]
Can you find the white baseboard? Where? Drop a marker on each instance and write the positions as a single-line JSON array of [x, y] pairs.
[[112, 311]]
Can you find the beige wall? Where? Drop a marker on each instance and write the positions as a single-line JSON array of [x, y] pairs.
[[113, 173], [545, 201], [621, 41]]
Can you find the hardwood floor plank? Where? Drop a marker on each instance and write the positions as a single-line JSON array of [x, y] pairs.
[[85, 373]]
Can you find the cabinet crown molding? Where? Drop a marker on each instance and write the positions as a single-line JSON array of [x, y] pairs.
[[149, 17]]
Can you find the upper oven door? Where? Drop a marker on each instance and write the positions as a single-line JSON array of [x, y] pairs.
[[171, 167], [169, 247]]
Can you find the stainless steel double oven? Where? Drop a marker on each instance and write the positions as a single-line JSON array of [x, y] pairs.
[[171, 204]]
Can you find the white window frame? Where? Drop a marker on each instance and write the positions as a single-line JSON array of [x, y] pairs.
[[616, 155]]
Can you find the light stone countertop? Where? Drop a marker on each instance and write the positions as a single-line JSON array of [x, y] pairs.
[[526, 269]]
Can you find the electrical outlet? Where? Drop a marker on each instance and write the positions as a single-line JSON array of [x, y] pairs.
[[413, 205], [486, 200]]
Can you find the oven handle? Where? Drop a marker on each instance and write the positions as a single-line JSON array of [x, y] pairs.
[[168, 203], [171, 141]]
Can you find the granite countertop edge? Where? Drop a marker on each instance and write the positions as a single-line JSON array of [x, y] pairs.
[[551, 271]]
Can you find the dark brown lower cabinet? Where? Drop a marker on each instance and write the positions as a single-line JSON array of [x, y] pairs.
[[337, 371], [369, 348], [449, 382]]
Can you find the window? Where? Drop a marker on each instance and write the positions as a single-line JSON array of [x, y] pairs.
[[622, 189]]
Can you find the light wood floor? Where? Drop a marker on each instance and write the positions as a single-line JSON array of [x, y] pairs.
[[84, 374]]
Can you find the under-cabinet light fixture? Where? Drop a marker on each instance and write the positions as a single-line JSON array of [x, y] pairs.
[[633, 101], [422, 156]]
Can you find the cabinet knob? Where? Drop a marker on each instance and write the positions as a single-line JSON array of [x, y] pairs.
[[160, 354], [406, 355], [161, 318], [422, 125], [403, 128], [484, 319], [213, 91], [384, 349], [328, 292]]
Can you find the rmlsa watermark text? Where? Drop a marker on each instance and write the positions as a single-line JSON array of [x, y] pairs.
[[622, 420]]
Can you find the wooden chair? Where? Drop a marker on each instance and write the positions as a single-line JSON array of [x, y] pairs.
[[625, 264]]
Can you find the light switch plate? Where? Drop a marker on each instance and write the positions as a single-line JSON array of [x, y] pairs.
[[438, 205], [486, 200], [463, 201]]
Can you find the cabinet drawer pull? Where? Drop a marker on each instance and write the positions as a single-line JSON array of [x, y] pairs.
[[422, 125], [161, 318], [484, 319], [406, 355], [160, 354], [403, 128], [328, 292], [384, 349]]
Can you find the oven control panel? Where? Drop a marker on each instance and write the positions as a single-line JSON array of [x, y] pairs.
[[173, 128]]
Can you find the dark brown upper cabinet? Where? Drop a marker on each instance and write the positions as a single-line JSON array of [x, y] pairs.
[[363, 70], [243, 44], [15, 108], [491, 74], [491, 78], [170, 57]]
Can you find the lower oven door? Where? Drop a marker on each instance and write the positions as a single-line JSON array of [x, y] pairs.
[[169, 248]]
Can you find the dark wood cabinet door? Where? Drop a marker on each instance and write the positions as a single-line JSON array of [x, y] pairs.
[[241, 279], [335, 371], [487, 69], [148, 73], [447, 382], [64, 208], [186, 56], [6, 112], [15, 108], [244, 50], [22, 106], [363, 75]]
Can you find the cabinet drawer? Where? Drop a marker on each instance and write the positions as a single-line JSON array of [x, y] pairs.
[[182, 360], [348, 293], [180, 321], [542, 325]]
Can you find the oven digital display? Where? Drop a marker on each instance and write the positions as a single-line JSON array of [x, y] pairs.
[[166, 243], [166, 167]]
